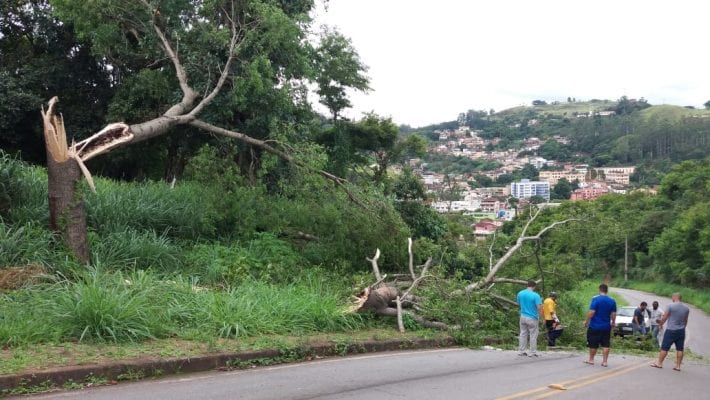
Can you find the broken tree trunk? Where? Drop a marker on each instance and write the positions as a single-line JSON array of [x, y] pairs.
[[65, 166], [67, 211], [387, 300]]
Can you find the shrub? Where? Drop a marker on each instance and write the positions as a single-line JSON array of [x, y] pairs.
[[263, 258]]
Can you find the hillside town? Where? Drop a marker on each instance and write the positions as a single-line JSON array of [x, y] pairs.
[[490, 206]]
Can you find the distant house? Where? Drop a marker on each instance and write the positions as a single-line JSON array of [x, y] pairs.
[[484, 228], [588, 193]]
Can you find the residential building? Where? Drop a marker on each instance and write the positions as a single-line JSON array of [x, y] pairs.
[[553, 177], [485, 228], [589, 193], [538, 162], [491, 205], [620, 175], [526, 189]]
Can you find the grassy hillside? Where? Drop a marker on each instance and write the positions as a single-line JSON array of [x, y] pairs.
[[560, 109], [671, 112]]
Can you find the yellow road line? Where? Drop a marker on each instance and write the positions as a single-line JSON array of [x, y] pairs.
[[590, 381], [573, 383]]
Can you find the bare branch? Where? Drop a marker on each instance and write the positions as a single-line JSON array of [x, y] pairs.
[[530, 220], [411, 258], [518, 244], [375, 267], [400, 322], [233, 44], [490, 251], [510, 280], [505, 300], [189, 95]]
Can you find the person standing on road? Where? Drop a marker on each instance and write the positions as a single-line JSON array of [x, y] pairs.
[[676, 314], [599, 323], [638, 324], [656, 315], [549, 311], [530, 304]]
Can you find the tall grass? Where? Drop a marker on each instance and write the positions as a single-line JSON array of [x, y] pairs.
[[23, 192], [24, 244], [179, 212], [130, 249], [263, 258], [97, 305]]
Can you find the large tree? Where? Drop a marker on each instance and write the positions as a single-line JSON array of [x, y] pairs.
[[212, 58]]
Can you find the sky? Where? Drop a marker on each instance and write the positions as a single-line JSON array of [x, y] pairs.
[[431, 59]]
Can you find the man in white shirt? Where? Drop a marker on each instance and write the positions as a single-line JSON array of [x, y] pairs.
[[656, 328]]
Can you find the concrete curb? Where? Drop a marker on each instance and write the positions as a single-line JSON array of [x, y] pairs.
[[144, 368]]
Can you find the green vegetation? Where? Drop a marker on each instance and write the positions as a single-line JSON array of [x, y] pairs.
[[697, 297], [651, 137], [204, 244]]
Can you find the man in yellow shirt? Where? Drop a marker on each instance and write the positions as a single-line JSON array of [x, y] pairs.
[[549, 311]]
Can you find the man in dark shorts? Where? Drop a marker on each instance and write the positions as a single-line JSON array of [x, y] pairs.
[[600, 322], [676, 314]]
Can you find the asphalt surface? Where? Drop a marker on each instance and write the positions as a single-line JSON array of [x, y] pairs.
[[429, 374], [698, 330], [443, 374]]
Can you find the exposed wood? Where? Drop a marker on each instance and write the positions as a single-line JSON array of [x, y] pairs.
[[411, 258], [375, 267], [510, 280], [400, 321], [387, 299]]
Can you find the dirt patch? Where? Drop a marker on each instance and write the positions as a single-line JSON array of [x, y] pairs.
[[16, 277]]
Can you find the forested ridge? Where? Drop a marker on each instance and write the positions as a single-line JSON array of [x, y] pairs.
[[254, 214], [651, 137]]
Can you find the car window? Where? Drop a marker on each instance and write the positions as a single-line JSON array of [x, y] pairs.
[[625, 312]]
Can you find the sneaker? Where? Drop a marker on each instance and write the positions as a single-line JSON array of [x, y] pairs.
[[533, 355], [523, 354]]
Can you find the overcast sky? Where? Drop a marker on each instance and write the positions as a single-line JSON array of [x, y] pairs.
[[431, 59]]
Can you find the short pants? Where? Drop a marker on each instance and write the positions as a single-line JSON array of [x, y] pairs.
[[670, 337], [596, 338]]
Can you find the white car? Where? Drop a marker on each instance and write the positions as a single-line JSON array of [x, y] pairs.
[[624, 318]]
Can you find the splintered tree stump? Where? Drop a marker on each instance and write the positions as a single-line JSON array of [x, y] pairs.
[[388, 300], [67, 211]]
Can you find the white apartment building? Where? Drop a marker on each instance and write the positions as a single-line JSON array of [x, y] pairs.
[[526, 189]]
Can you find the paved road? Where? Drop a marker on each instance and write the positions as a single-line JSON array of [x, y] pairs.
[[435, 374], [698, 331]]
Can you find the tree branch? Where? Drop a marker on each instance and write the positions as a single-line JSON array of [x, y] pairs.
[[189, 95], [411, 258], [233, 44], [277, 152], [518, 244], [375, 267]]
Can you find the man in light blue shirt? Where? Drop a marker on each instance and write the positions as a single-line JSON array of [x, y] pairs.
[[530, 304]]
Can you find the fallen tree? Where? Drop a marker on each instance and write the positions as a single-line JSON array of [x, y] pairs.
[[394, 297], [145, 23]]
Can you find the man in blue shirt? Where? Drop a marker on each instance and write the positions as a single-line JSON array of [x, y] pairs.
[[530, 304], [600, 321]]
